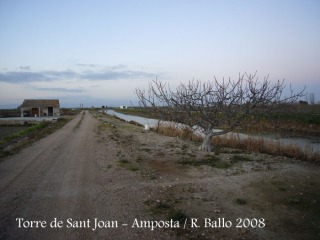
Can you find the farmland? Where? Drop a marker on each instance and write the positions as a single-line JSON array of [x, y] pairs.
[[17, 134], [7, 130], [98, 166]]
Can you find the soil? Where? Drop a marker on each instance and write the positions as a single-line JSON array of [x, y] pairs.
[[99, 167]]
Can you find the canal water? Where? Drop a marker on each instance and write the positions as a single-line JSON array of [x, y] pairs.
[[310, 144]]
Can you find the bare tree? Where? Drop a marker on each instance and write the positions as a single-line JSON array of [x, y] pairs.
[[225, 104]]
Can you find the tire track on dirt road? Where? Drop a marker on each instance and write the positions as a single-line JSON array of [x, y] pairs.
[[74, 173], [49, 180]]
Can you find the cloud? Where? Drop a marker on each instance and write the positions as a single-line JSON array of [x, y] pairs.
[[116, 67], [25, 68], [86, 65], [23, 76], [60, 89], [114, 73], [120, 66]]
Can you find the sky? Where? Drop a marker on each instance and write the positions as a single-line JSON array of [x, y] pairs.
[[96, 53]]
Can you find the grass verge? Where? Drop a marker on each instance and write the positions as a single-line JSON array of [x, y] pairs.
[[17, 141], [23, 133]]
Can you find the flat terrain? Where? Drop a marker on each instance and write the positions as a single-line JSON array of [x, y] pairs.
[[98, 167]]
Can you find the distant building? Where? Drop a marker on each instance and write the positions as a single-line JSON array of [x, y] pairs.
[[40, 108], [123, 107]]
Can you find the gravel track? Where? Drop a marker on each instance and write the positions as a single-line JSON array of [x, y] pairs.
[[64, 176]]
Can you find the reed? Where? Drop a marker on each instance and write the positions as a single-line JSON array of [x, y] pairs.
[[266, 146], [250, 144], [185, 133]]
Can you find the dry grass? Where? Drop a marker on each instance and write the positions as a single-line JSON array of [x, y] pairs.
[[184, 133], [266, 146], [250, 144]]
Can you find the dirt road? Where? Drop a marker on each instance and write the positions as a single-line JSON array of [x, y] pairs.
[[63, 177], [98, 168]]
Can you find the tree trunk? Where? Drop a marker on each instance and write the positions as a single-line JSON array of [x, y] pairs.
[[206, 145]]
